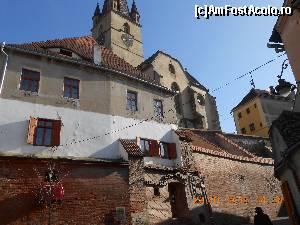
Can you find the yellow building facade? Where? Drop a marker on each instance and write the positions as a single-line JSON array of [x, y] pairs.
[[256, 112]]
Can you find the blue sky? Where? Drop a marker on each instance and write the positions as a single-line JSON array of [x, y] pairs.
[[215, 51]]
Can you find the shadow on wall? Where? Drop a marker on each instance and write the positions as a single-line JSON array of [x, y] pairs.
[[107, 151], [282, 211], [13, 136], [18, 206]]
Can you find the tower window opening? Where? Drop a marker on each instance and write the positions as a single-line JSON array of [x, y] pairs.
[[126, 28], [171, 68], [116, 5]]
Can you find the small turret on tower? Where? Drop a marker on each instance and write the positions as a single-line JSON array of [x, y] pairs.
[[134, 14], [97, 15]]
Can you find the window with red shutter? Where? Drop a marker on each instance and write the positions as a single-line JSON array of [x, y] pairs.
[[31, 130], [44, 132], [56, 126], [154, 148], [172, 151]]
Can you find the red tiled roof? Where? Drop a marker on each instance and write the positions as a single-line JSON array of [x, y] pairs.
[[83, 46], [131, 148], [234, 157], [217, 144]]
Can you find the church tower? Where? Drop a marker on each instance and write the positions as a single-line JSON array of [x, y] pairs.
[[119, 29]]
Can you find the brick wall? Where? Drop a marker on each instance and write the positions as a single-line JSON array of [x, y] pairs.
[[92, 192], [226, 178]]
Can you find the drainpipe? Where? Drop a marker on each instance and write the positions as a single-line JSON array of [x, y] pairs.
[[5, 65]]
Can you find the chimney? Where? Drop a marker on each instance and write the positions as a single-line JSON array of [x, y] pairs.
[[97, 54]]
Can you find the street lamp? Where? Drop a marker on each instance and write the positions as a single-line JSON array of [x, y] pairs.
[[284, 88]]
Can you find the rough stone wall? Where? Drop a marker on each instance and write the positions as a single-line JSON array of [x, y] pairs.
[[92, 192], [158, 207], [233, 181], [137, 190]]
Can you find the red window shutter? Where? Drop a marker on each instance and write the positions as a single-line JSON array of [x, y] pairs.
[[289, 202], [56, 127], [154, 148], [172, 151], [31, 130]]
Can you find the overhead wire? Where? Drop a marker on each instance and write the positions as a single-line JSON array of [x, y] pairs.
[[171, 109]]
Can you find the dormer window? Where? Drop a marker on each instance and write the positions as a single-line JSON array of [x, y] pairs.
[[126, 28], [171, 68], [65, 52]]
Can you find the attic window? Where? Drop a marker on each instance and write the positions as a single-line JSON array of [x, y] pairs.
[[156, 191], [65, 52], [171, 68]]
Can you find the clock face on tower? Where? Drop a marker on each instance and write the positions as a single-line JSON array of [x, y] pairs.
[[127, 40]]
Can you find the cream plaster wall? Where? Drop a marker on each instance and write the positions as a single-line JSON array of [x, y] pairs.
[[100, 91]]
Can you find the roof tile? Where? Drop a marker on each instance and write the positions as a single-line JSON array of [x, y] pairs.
[[131, 148], [83, 46]]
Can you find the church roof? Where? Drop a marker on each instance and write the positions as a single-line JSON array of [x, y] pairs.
[[191, 78], [83, 46], [254, 93]]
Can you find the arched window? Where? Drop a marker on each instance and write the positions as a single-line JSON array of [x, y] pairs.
[[175, 88], [171, 68], [200, 99], [126, 28]]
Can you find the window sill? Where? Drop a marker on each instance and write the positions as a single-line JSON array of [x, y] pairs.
[[159, 118], [71, 99], [131, 111], [64, 101], [27, 93]]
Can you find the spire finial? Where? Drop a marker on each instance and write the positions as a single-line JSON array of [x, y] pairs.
[[134, 8], [134, 13], [97, 10]]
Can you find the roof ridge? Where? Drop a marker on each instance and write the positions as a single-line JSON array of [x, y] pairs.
[[56, 39], [83, 46], [233, 157], [209, 142], [234, 144]]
